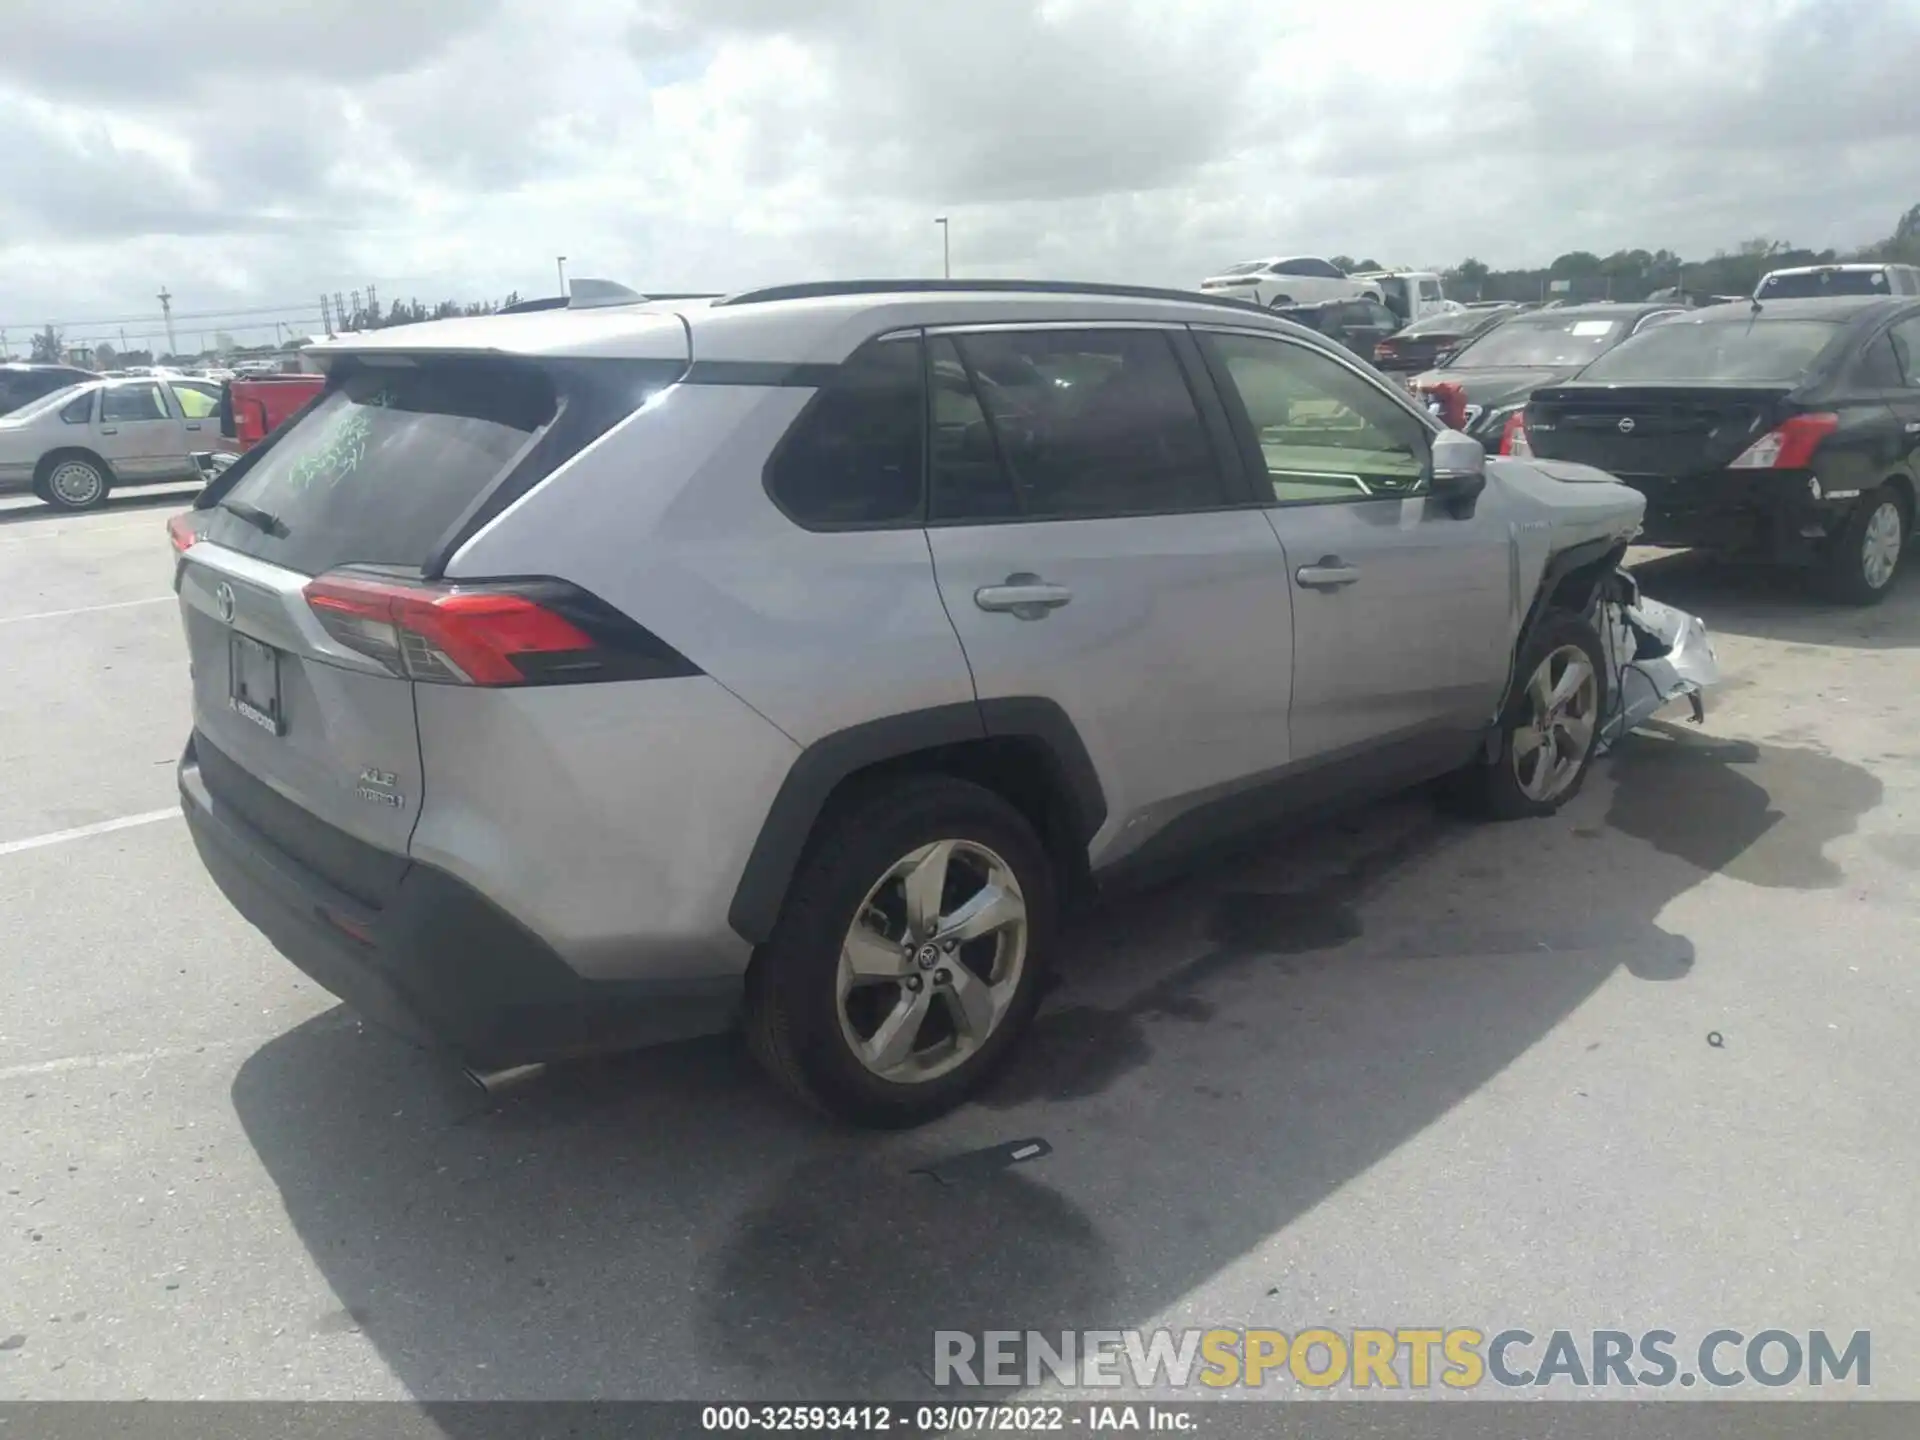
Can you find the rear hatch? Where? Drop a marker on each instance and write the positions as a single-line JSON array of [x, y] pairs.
[[304, 716], [1651, 430]]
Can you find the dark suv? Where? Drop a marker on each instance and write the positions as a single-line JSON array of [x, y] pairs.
[[22, 384]]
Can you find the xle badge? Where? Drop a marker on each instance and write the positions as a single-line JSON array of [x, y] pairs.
[[379, 786]]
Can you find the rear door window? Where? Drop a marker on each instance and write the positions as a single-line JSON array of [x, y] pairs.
[[1904, 339], [384, 464], [1086, 423], [853, 459]]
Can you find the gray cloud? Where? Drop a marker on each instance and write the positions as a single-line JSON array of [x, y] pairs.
[[132, 52], [308, 146]]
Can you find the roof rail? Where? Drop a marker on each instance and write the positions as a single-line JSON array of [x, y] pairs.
[[822, 289]]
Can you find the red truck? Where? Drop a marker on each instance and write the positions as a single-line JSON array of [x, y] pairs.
[[252, 406]]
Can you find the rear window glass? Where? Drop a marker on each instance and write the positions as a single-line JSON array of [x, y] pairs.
[[383, 465], [1540, 344], [1770, 350], [1824, 282]]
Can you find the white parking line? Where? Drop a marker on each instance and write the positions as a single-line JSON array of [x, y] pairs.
[[82, 610], [82, 832]]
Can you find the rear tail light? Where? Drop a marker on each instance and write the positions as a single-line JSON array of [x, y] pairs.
[[181, 532], [1385, 350], [539, 632], [1513, 435], [1790, 446]]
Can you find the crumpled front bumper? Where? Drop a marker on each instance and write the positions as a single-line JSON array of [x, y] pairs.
[[1655, 654]]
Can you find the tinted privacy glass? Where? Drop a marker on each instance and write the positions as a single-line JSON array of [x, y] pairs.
[[853, 457], [969, 482], [1325, 432], [384, 464], [1085, 422], [1774, 350], [131, 402]]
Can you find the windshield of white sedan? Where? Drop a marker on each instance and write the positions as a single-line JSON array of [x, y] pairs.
[[1539, 344]]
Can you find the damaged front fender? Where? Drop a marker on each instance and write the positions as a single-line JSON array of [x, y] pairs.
[[1655, 654]]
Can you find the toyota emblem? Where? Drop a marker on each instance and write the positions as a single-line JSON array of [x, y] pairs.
[[223, 598], [1626, 425]]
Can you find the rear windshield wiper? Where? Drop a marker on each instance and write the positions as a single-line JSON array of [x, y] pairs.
[[262, 520]]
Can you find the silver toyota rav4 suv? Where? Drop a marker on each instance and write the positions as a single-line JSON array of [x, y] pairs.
[[581, 679]]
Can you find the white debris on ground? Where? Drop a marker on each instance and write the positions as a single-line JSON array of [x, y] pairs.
[[1655, 654]]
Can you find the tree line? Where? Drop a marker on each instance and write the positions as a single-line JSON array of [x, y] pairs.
[[1636, 274]]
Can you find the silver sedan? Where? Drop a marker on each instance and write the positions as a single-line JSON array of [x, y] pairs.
[[72, 447]]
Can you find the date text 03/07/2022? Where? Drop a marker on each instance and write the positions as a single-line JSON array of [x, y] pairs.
[[951, 1419]]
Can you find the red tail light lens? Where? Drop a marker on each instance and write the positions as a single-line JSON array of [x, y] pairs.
[[1789, 446], [1513, 435], [181, 533], [1385, 350], [542, 632]]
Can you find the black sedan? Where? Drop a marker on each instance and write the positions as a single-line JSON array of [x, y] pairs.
[[1432, 341], [1786, 430], [1504, 365]]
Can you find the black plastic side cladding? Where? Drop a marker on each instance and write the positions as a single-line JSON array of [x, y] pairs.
[[823, 765]]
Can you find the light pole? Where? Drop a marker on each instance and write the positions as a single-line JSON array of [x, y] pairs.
[[946, 246], [560, 264]]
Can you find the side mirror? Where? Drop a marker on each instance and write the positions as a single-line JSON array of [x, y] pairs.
[[1459, 468]]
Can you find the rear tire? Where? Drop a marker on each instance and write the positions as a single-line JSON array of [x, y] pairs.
[[856, 1006], [73, 482], [1546, 737], [1861, 562]]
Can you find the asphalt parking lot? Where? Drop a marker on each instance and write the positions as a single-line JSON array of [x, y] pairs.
[[1395, 1071]]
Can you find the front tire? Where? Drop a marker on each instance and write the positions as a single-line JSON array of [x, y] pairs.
[[1548, 727], [1861, 561], [907, 960], [73, 483]]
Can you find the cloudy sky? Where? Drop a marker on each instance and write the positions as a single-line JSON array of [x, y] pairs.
[[249, 154]]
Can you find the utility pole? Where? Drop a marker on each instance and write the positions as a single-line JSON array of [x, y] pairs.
[[340, 311], [358, 313], [373, 303], [123, 339], [326, 315], [560, 264], [946, 245], [166, 311]]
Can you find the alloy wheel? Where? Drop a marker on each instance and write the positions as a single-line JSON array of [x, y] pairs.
[[1880, 548], [1551, 743], [932, 961]]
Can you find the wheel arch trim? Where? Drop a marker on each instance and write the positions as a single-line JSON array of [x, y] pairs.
[[828, 762]]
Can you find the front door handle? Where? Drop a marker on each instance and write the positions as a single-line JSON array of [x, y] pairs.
[[1024, 596], [109, 429], [1329, 574]]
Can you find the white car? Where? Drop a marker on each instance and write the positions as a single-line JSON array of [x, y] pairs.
[[71, 447], [1288, 280]]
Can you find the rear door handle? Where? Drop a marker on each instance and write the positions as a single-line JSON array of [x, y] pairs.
[[1330, 574], [1024, 596]]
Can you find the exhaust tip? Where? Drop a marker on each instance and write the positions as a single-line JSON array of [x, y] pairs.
[[498, 1082]]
